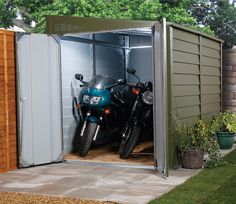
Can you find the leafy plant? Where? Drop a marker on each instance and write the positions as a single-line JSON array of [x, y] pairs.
[[213, 149], [198, 135], [190, 137], [225, 122]]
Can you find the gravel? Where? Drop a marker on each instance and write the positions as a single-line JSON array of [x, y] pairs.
[[25, 198]]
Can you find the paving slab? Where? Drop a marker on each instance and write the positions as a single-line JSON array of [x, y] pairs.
[[98, 182], [122, 184]]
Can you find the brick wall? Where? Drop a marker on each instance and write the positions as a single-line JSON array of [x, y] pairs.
[[229, 80]]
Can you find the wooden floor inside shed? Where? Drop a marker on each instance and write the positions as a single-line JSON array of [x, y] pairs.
[[142, 155]]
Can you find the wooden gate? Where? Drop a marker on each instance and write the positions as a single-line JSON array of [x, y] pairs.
[[8, 147]]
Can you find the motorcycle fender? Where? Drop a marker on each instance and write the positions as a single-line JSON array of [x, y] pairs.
[[93, 119]]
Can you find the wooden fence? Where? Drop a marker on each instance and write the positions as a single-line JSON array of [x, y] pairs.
[[8, 143]]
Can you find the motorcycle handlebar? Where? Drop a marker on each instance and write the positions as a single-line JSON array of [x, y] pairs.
[[138, 85]]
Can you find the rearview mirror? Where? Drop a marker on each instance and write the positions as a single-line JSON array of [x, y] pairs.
[[79, 77], [121, 81], [130, 70]]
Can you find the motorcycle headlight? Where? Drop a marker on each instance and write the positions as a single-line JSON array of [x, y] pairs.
[[95, 99], [147, 97], [86, 99]]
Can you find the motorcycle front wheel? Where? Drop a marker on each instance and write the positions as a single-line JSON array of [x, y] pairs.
[[127, 146], [87, 138]]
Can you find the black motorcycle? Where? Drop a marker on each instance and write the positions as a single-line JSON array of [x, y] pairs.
[[140, 120], [101, 109]]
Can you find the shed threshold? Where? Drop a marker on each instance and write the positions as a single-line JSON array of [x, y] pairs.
[[108, 154], [110, 164]]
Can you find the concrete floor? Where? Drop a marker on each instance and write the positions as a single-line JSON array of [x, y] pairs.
[[121, 184], [93, 181]]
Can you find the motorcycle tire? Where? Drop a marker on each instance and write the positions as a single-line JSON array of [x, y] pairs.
[[87, 139], [127, 146]]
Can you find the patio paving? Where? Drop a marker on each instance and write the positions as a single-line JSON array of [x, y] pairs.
[[121, 184], [93, 181]]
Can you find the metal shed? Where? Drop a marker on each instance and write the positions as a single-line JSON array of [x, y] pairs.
[[184, 66]]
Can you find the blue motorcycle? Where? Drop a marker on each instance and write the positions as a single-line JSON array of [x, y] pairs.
[[101, 109]]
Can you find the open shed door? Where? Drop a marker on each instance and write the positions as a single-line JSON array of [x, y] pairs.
[[160, 97], [82, 25], [39, 105]]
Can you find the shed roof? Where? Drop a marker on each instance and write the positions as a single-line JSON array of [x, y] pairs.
[[75, 24]]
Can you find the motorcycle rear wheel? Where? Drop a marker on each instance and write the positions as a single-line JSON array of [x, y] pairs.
[[87, 139], [127, 146]]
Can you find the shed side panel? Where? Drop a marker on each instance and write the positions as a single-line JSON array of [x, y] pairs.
[[196, 76], [186, 75], [194, 65], [210, 78]]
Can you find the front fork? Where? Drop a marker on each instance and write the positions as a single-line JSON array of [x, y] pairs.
[[85, 124], [125, 132]]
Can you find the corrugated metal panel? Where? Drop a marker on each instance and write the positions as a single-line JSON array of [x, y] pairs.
[[76, 57], [185, 36], [209, 116], [87, 58], [186, 90], [211, 43], [211, 89], [114, 67], [187, 112], [194, 63], [185, 57], [184, 79], [181, 68], [143, 67], [211, 62], [209, 52], [212, 98], [210, 108], [183, 46], [8, 153], [210, 80], [196, 74], [39, 94], [186, 101], [210, 71]]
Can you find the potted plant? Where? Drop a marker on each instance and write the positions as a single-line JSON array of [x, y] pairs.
[[224, 127], [191, 143]]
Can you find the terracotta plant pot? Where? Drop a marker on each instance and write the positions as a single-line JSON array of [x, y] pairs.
[[193, 158], [225, 140]]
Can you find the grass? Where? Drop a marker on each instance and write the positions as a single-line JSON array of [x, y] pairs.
[[217, 185]]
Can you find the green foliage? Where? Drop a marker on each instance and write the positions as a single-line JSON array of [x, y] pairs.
[[7, 13], [220, 16], [174, 11], [28, 8], [190, 137], [213, 149], [198, 135], [225, 122]]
